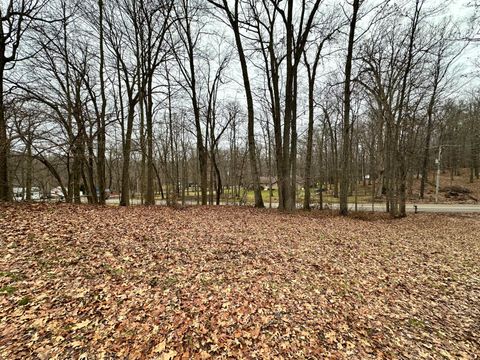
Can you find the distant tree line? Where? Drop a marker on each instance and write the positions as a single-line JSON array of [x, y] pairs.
[[164, 98]]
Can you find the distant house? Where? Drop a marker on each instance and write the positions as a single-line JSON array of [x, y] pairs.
[[20, 193], [300, 182], [266, 182]]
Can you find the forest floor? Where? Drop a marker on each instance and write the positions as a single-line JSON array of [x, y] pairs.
[[228, 282], [462, 179]]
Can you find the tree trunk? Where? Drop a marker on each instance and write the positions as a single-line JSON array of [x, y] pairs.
[[143, 149], [346, 148], [4, 144], [426, 154], [28, 180], [90, 173], [77, 172], [150, 194], [101, 160], [127, 146], [308, 161], [250, 116], [293, 145]]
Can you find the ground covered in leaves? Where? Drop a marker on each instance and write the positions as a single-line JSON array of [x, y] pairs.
[[225, 282]]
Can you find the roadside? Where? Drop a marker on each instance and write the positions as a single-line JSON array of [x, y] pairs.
[[377, 207]]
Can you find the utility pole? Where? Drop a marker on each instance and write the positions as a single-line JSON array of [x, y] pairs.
[[438, 163], [437, 185]]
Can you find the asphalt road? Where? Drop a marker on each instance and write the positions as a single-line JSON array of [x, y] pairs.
[[430, 208], [421, 208]]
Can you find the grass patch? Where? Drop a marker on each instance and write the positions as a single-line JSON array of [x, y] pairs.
[[113, 271], [416, 322], [9, 290], [24, 301], [13, 276], [169, 282]]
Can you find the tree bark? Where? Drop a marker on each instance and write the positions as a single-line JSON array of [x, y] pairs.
[[4, 144], [101, 136], [125, 195], [308, 160], [346, 126]]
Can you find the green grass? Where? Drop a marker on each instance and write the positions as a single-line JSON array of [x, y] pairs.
[[169, 282], [363, 196], [7, 290], [327, 198], [416, 322], [24, 301], [13, 276]]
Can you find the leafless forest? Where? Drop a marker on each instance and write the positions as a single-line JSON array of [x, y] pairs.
[[284, 104], [212, 100]]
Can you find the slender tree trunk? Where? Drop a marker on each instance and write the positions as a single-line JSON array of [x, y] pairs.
[[211, 184], [286, 180], [101, 140], [426, 152], [346, 128], [77, 172], [150, 196], [159, 182], [143, 149], [86, 187], [202, 152], [4, 144], [69, 193], [28, 180], [125, 195], [90, 173], [293, 146], [308, 160], [402, 208], [250, 115], [474, 144], [269, 149], [219, 188], [173, 160]]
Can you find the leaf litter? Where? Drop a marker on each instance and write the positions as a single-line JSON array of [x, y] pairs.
[[228, 282]]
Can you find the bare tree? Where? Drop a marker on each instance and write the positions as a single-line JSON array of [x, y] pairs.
[[269, 20], [312, 68], [346, 125], [233, 16], [443, 52], [188, 11], [16, 19]]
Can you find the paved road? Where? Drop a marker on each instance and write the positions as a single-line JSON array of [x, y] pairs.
[[429, 208]]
